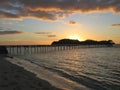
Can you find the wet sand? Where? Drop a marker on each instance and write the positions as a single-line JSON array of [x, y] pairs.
[[13, 77]]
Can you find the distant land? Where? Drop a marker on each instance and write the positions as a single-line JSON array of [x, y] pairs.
[[86, 42]]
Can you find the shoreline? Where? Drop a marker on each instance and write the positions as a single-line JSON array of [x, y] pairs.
[[14, 77], [54, 79]]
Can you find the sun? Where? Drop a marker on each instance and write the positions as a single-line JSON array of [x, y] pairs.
[[74, 36]]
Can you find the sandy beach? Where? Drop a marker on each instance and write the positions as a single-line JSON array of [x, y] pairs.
[[13, 77]]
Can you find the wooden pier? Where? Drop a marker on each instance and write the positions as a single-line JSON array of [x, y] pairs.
[[33, 49]]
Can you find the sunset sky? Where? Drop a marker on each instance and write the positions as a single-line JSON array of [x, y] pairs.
[[44, 21]]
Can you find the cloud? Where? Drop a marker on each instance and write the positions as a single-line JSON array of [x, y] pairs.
[[43, 33], [51, 35], [54, 9], [48, 34], [71, 22], [10, 32], [116, 25]]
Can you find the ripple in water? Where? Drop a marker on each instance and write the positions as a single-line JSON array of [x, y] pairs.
[[96, 68]]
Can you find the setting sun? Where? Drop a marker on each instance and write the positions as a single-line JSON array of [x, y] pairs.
[[60, 44], [74, 36]]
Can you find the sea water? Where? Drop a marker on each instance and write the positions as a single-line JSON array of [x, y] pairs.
[[95, 68]]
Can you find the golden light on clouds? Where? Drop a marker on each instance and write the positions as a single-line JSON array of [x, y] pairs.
[[54, 9], [44, 21]]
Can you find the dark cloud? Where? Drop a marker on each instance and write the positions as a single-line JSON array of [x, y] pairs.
[[116, 25], [53, 9], [48, 34], [43, 33], [51, 35], [71, 22], [10, 32]]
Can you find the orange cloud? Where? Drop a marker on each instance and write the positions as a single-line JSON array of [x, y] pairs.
[[51, 35], [54, 9]]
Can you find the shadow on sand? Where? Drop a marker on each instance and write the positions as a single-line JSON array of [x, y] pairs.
[[13, 77]]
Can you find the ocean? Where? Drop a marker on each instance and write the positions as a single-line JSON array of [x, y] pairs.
[[93, 68]]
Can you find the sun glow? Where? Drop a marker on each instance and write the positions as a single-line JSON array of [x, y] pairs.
[[74, 36]]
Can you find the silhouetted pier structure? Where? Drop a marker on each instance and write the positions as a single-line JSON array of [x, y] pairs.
[[32, 49]]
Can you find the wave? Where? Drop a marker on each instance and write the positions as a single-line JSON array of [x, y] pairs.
[[83, 79]]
